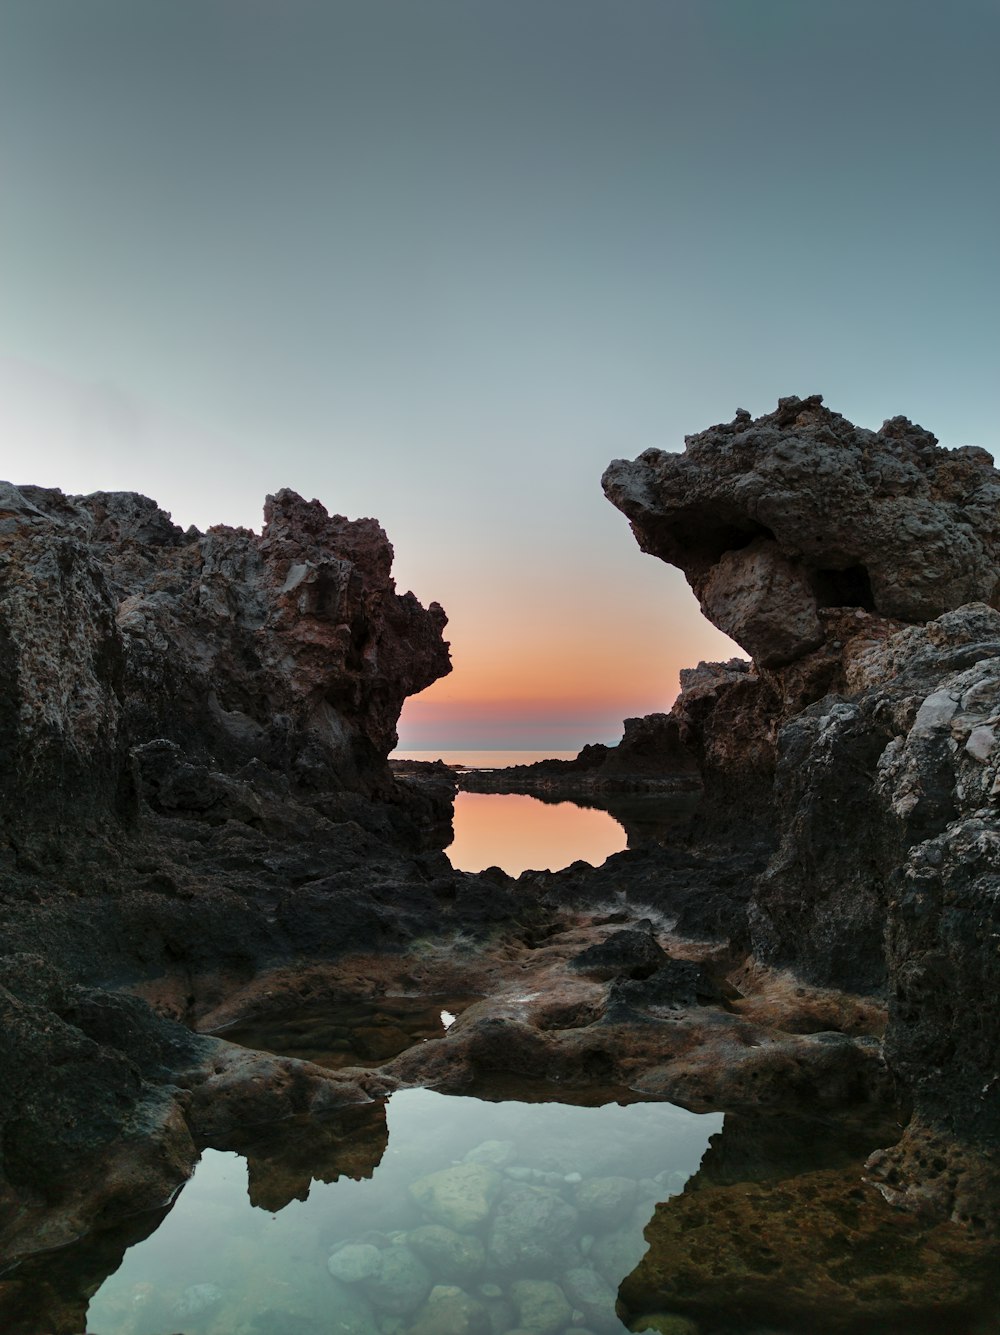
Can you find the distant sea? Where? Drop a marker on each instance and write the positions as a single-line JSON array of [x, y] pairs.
[[484, 759]]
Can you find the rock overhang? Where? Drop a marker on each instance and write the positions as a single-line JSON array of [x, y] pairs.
[[775, 519]]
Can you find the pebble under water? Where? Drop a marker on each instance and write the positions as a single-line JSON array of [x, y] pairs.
[[480, 1218]]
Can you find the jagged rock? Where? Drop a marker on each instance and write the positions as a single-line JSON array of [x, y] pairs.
[[857, 750], [192, 726], [814, 1252], [291, 648], [774, 519]]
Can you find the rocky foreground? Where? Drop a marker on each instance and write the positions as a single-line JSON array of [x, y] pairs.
[[199, 825]]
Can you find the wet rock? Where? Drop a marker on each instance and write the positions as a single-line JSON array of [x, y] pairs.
[[350, 1313], [529, 1227], [354, 1262], [447, 1254], [605, 1202], [664, 1323], [773, 519], [615, 1254], [632, 953], [197, 1300], [858, 750], [818, 1252], [592, 1295], [451, 1311], [460, 1198], [493, 1153], [541, 1306], [677, 983], [401, 1283]]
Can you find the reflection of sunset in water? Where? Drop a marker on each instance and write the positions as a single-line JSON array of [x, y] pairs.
[[516, 832]]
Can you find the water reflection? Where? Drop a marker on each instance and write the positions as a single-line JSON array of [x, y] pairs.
[[522, 833], [351, 1032], [491, 1214]]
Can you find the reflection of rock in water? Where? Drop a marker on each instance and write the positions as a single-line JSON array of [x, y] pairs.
[[285, 1158], [778, 1226], [51, 1292]]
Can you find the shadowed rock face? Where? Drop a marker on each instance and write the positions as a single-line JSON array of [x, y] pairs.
[[860, 569], [774, 519], [290, 649], [193, 777]]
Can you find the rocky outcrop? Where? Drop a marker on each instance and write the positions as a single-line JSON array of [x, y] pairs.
[[193, 779], [860, 571], [775, 519], [289, 650]]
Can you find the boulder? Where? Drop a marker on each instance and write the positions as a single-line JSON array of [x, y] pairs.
[[460, 1198], [528, 1230]]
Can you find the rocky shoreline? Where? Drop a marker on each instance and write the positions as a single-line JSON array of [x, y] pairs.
[[200, 825]]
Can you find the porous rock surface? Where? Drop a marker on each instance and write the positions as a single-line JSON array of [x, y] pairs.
[[289, 649], [858, 747], [773, 519], [200, 825], [193, 778]]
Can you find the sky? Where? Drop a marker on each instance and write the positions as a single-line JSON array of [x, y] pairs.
[[440, 261]]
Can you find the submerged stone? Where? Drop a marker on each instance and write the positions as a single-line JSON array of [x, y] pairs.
[[615, 1254], [592, 1294], [529, 1228], [355, 1262], [451, 1311], [541, 1306], [664, 1323], [460, 1198], [494, 1153], [447, 1254], [402, 1283], [197, 1299], [350, 1313], [604, 1202]]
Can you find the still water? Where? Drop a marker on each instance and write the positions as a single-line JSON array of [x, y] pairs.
[[518, 832], [474, 1217], [484, 759], [521, 833], [351, 1032]]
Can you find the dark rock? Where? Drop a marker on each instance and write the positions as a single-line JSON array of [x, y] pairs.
[[632, 953]]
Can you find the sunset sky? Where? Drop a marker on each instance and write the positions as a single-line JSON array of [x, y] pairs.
[[439, 261]]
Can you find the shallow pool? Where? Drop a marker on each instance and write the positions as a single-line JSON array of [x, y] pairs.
[[521, 833], [479, 1218]]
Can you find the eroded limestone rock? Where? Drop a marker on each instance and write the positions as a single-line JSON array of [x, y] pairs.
[[774, 519]]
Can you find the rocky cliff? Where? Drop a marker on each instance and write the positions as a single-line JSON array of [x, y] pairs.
[[859, 569], [142, 661], [193, 780]]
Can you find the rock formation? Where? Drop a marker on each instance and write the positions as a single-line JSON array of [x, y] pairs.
[[775, 519], [193, 736], [860, 571], [200, 829], [289, 650]]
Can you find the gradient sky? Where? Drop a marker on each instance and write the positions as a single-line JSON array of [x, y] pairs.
[[439, 261]]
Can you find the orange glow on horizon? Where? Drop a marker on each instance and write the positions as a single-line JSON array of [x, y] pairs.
[[520, 833]]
